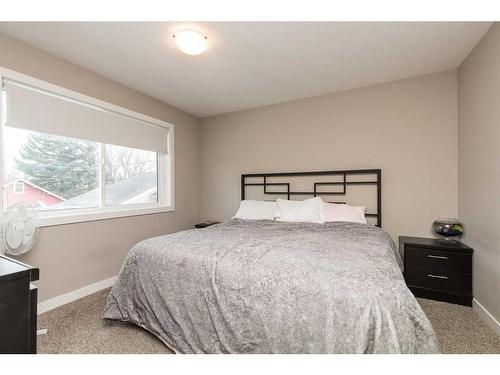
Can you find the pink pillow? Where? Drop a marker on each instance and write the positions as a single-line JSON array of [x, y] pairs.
[[344, 212]]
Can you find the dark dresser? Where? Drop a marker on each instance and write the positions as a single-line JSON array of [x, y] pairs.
[[438, 270], [18, 301]]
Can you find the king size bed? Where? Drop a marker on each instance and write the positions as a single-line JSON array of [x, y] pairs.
[[265, 286]]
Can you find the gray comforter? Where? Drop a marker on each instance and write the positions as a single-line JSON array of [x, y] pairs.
[[267, 287]]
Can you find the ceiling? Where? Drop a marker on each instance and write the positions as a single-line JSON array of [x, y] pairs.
[[251, 64]]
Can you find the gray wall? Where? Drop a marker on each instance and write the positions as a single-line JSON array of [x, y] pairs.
[[408, 128], [76, 255], [479, 164]]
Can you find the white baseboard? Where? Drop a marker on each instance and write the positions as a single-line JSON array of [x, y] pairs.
[[486, 316], [75, 294]]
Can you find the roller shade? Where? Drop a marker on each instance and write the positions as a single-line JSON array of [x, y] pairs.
[[38, 110]]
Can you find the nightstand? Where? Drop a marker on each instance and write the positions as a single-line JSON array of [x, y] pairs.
[[206, 224], [438, 270]]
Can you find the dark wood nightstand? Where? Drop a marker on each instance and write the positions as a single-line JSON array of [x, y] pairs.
[[206, 224], [437, 270]]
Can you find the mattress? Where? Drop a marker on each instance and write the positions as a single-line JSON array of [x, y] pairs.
[[247, 286]]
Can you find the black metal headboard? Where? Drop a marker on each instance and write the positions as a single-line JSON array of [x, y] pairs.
[[374, 178]]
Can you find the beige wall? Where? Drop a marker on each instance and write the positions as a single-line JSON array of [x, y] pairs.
[[76, 255], [408, 128], [479, 165]]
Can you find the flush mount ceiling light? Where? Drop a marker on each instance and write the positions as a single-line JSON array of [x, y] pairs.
[[191, 42]]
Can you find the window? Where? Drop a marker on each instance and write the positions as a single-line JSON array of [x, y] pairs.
[[19, 187], [74, 158]]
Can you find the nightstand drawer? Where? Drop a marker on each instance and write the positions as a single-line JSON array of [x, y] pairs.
[[445, 281], [438, 260]]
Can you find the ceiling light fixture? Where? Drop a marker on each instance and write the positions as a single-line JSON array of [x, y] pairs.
[[191, 42]]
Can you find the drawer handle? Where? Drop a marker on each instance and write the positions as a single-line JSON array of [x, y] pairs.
[[437, 257], [437, 276]]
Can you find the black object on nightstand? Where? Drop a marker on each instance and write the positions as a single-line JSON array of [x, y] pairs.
[[206, 224], [438, 270], [18, 299]]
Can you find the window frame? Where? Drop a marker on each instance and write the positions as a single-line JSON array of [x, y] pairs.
[[165, 166]]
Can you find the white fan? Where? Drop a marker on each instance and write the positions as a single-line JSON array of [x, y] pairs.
[[18, 229]]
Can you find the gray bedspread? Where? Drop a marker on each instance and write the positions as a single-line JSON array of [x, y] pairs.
[[267, 287]]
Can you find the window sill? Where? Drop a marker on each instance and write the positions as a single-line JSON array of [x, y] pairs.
[[53, 218]]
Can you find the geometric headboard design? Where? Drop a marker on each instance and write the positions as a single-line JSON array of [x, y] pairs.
[[328, 184]]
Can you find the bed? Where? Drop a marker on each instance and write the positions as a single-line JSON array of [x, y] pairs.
[[260, 286]]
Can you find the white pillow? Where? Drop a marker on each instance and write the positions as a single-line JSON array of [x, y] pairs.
[[307, 211], [256, 210], [344, 212]]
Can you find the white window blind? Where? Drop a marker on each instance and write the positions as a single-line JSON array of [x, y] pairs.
[[39, 110]]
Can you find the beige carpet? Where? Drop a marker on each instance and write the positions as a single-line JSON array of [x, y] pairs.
[[78, 328]]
